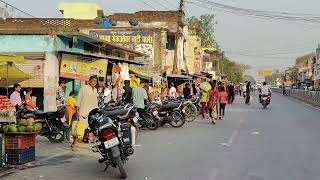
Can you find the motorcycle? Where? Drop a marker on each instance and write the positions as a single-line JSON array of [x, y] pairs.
[[265, 100], [113, 139], [148, 120], [170, 113], [189, 107], [52, 126]]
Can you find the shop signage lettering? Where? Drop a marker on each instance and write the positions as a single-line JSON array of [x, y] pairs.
[[124, 37]]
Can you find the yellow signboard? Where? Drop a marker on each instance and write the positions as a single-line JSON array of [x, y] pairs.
[[265, 72], [72, 67]]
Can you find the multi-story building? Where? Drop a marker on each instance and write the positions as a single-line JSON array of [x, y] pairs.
[[305, 69]]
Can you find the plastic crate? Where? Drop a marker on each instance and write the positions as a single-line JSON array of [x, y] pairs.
[[21, 156], [20, 141]]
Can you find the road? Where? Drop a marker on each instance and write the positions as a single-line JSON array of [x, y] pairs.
[[279, 143]]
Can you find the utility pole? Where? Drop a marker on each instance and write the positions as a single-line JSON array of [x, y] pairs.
[[179, 25]]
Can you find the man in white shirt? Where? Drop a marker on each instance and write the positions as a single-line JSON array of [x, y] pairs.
[[172, 91], [265, 90]]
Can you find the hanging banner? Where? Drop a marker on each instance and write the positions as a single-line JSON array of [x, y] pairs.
[[74, 68]]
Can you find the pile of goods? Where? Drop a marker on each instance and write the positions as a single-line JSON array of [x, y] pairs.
[[6, 108], [20, 140], [23, 126]]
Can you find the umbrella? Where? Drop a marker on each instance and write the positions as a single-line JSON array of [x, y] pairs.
[[9, 73]]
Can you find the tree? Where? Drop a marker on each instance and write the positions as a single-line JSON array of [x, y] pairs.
[[207, 22], [233, 71]]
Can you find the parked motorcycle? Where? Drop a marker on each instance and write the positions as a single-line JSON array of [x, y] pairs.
[[265, 100], [170, 113], [52, 126], [148, 120], [114, 139]]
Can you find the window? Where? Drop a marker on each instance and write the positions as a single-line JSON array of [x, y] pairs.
[[171, 42]]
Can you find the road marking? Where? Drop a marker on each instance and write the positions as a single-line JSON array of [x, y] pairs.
[[233, 136], [213, 174], [241, 120]]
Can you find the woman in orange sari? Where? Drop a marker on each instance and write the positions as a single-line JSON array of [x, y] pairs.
[[28, 98]]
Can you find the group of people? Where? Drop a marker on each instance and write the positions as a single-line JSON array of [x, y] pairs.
[[16, 100]]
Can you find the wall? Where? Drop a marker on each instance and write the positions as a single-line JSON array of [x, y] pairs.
[[51, 78], [37, 43], [310, 97], [79, 10], [26, 43], [194, 43]]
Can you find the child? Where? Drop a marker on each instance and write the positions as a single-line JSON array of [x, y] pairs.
[[223, 99], [71, 107]]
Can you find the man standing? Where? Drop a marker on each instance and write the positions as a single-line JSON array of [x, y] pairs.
[[127, 92], [60, 96], [231, 93], [88, 97], [172, 92], [15, 97], [187, 91], [248, 90], [139, 95]]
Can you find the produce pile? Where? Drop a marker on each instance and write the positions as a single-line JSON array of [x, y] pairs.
[[6, 108], [24, 125]]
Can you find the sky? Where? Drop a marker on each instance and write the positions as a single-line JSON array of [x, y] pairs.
[[259, 43]]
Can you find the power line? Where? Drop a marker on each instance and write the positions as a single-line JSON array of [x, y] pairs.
[[306, 18], [156, 2], [171, 4], [17, 9], [148, 5]]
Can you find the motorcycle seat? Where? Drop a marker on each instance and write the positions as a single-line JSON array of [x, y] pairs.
[[170, 106], [113, 108], [41, 114], [115, 113]]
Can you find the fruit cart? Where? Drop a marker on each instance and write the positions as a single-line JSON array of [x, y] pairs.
[[7, 111]]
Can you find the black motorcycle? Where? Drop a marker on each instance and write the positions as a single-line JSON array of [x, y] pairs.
[[148, 119], [170, 113], [114, 139], [265, 100], [52, 126]]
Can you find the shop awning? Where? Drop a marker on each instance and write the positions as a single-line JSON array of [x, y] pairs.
[[11, 58], [14, 75], [138, 72], [179, 76], [91, 57]]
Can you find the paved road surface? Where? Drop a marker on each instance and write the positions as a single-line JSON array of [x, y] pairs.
[[280, 143]]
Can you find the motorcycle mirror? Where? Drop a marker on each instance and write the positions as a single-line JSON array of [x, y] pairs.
[[24, 93]]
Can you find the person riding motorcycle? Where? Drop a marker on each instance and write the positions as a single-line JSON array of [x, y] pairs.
[[265, 91]]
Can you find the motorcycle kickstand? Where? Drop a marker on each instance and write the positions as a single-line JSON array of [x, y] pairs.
[[107, 166]]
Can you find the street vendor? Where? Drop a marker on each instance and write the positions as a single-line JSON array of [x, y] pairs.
[[15, 97]]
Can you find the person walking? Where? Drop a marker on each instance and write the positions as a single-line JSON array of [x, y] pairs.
[[240, 89], [204, 88], [187, 91], [223, 99], [70, 107], [213, 100], [139, 96], [248, 90], [231, 93], [284, 92], [15, 97]]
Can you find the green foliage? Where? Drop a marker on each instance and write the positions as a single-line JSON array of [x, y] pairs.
[[207, 22], [234, 71]]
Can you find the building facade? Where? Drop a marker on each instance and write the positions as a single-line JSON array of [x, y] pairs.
[[317, 70]]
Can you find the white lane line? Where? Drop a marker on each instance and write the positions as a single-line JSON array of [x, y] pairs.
[[241, 120], [213, 174], [233, 136]]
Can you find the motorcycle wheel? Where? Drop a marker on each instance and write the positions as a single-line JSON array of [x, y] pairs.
[[150, 122], [177, 119], [121, 168], [190, 112], [57, 135]]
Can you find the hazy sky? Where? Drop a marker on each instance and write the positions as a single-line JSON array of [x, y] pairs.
[[259, 43]]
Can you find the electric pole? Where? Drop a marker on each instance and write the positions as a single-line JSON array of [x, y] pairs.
[[179, 25]]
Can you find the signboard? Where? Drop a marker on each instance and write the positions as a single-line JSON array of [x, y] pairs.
[[123, 37], [72, 67], [265, 72]]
